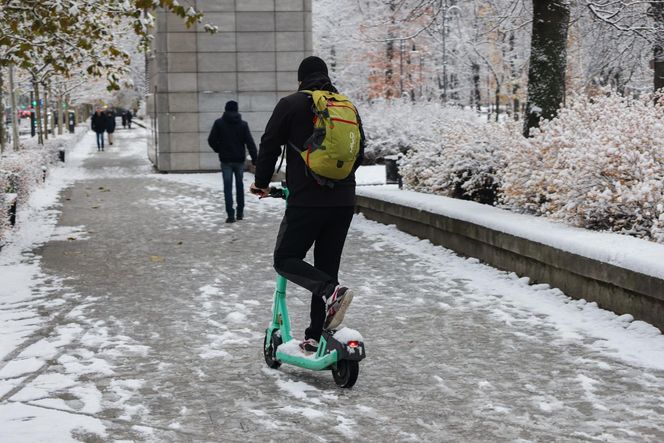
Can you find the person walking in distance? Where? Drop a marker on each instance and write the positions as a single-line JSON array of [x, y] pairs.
[[317, 214], [129, 117], [98, 124], [110, 125], [230, 137]]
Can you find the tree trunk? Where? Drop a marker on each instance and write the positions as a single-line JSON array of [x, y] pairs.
[[548, 60], [61, 114], [515, 102], [476, 97], [497, 100], [333, 59], [389, 52], [515, 79], [45, 113], [657, 11], [12, 97], [38, 117], [3, 138]]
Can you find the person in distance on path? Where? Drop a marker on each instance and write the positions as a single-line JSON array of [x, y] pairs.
[[316, 215], [98, 124], [110, 125], [229, 137]]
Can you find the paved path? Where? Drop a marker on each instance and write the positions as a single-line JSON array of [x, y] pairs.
[[151, 311]]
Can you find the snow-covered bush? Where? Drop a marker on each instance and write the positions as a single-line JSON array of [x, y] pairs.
[[598, 165], [395, 126], [25, 169], [21, 171], [463, 163]]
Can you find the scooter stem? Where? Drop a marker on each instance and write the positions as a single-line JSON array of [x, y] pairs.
[[281, 318]]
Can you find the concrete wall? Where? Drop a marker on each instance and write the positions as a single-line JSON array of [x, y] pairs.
[[253, 59], [619, 290]]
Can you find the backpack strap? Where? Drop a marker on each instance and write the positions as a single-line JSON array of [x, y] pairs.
[[322, 181]]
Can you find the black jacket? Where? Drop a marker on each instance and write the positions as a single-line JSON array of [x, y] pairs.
[[229, 136], [110, 122], [98, 122], [292, 120]]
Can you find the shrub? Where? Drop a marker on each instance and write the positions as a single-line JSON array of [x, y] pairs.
[[396, 126], [463, 164], [598, 165], [20, 172]]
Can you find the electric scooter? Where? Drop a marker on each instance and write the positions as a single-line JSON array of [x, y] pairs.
[[338, 350]]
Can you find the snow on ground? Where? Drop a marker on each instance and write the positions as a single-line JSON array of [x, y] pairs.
[[634, 342], [36, 224], [40, 317], [628, 252]]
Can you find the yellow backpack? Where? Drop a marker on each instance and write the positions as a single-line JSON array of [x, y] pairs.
[[332, 149]]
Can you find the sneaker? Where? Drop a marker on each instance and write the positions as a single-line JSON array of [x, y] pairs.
[[336, 305], [230, 220], [309, 345]]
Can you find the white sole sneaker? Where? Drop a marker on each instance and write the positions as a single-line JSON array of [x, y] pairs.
[[338, 317]]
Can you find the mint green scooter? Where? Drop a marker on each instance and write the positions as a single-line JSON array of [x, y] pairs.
[[340, 350]]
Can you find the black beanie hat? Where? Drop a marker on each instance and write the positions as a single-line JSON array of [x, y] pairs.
[[311, 65], [231, 105]]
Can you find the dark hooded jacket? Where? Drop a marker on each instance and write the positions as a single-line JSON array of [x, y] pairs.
[[110, 122], [229, 136], [98, 122], [292, 121]]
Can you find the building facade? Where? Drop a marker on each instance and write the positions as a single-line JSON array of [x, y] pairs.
[[253, 59]]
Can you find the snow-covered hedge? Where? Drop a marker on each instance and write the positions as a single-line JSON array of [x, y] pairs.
[[598, 165], [21, 171], [396, 126], [463, 162]]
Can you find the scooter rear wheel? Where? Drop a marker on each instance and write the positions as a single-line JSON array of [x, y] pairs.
[[270, 349], [346, 372]]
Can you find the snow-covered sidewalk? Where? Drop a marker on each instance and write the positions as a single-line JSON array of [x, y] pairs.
[[141, 318]]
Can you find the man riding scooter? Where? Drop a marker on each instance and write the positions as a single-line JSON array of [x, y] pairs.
[[317, 215]]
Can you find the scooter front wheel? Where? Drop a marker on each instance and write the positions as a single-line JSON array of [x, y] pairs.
[[346, 372], [270, 349]]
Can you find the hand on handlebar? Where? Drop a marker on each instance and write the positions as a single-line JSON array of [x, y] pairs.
[[260, 192]]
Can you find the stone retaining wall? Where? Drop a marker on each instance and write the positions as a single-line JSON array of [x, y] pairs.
[[617, 289]]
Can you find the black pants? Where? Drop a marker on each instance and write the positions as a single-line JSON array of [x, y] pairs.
[[326, 230]]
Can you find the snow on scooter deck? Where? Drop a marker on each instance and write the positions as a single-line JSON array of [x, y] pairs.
[[293, 349], [343, 335]]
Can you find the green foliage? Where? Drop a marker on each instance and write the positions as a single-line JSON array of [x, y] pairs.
[[48, 37]]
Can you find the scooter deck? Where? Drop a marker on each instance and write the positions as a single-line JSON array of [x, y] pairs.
[[291, 353]]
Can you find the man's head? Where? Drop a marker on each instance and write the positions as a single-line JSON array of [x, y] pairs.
[[231, 106], [311, 65]]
